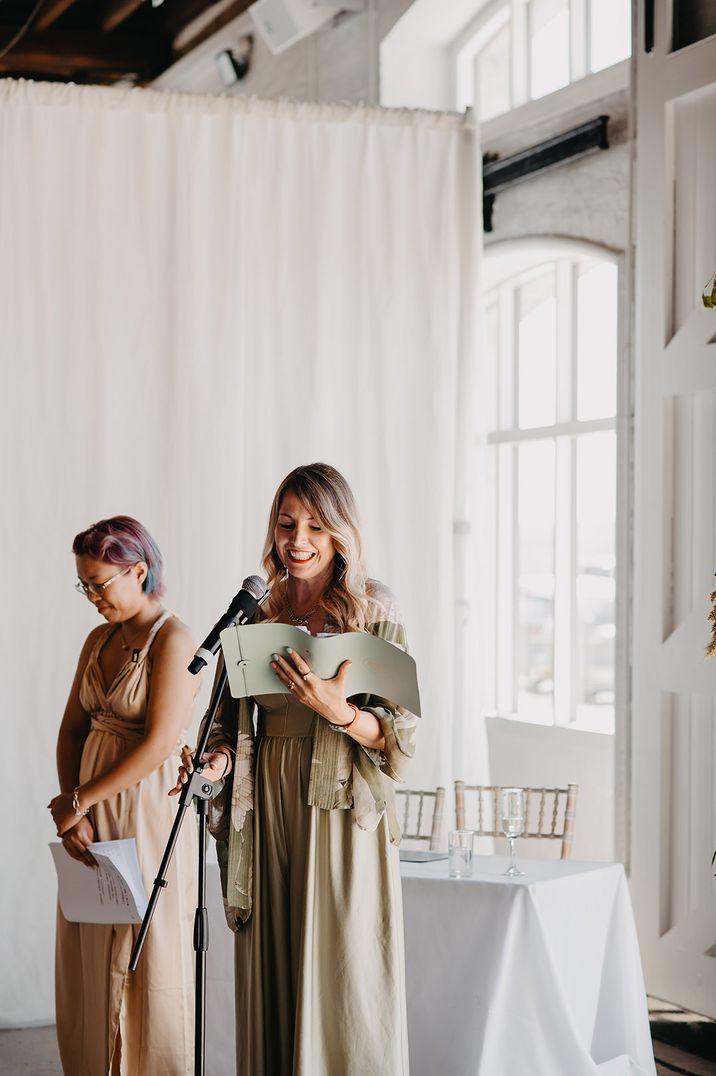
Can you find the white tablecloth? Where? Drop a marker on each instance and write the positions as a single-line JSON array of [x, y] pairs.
[[535, 976]]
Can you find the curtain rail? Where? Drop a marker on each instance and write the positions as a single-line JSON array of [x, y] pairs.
[[500, 173]]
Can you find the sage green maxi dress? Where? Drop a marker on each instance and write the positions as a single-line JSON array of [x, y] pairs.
[[99, 1002], [307, 840]]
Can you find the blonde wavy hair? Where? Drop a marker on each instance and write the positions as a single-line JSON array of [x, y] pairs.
[[324, 492]]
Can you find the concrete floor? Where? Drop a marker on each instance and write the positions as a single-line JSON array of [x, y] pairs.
[[30, 1051]]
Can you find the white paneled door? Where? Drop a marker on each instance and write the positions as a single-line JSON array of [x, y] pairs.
[[673, 793]]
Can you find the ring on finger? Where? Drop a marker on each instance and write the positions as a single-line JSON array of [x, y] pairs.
[[291, 685], [306, 675]]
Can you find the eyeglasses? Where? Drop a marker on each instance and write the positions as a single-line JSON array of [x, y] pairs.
[[98, 589]]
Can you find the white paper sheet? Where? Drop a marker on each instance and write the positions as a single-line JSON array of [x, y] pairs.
[[113, 892]]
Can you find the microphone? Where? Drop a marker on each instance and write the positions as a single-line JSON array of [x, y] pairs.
[[243, 606]]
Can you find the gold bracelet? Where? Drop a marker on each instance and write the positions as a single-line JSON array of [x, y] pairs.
[[76, 803]]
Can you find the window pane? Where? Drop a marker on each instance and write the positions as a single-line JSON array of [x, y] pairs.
[[609, 32], [493, 76], [597, 340], [537, 352], [535, 628], [596, 522], [549, 46]]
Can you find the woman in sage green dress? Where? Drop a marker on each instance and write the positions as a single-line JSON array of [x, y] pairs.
[[304, 820]]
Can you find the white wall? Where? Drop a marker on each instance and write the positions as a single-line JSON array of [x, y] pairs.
[[339, 63], [417, 57], [585, 199], [414, 74], [544, 756]]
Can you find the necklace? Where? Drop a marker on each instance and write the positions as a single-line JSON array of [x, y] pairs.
[[296, 619], [126, 645], [136, 651]]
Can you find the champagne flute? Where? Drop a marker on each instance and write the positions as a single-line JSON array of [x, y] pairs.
[[512, 801]]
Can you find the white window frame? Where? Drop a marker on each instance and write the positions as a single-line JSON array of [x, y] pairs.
[[480, 31], [505, 262]]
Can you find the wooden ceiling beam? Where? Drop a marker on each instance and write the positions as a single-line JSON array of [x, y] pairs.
[[50, 13], [64, 51], [118, 11], [179, 14]]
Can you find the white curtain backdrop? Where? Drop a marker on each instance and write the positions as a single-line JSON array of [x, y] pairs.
[[197, 294]]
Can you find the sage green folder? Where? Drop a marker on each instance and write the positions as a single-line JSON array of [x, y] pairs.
[[379, 668]]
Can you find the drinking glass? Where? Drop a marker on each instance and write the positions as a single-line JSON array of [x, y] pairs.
[[460, 853], [512, 802]]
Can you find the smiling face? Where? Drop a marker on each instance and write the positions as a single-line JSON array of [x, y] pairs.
[[304, 548], [124, 597]]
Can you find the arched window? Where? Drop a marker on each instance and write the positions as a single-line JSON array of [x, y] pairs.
[[551, 345]]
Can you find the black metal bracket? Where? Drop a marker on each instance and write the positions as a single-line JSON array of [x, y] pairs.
[[498, 174], [649, 26]]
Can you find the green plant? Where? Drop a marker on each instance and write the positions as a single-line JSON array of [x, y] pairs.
[[709, 297], [711, 648]]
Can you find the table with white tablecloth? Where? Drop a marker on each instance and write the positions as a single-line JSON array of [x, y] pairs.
[[531, 976]]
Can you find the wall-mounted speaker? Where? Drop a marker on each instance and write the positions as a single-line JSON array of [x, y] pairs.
[[282, 23]]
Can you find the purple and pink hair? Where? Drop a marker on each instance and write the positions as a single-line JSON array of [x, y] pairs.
[[123, 541]]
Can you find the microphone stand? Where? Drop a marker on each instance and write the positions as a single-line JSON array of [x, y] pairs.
[[200, 790]]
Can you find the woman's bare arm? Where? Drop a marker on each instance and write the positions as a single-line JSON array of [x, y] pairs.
[[75, 723], [168, 715]]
